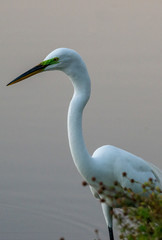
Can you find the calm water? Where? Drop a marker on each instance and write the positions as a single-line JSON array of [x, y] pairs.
[[41, 196]]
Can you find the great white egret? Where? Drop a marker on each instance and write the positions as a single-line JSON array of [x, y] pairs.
[[108, 162]]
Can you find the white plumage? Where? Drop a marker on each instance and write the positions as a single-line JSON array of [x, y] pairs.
[[108, 162]]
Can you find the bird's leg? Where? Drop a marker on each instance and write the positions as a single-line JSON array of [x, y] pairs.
[[111, 235], [107, 211]]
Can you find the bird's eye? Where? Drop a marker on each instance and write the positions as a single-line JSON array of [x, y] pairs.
[[55, 59]]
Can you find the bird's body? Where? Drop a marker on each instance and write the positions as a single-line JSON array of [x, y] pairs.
[[116, 161], [108, 163]]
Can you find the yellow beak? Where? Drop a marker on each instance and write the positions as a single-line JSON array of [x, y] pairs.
[[37, 69]]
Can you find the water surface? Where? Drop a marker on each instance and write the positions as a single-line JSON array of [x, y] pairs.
[[41, 196]]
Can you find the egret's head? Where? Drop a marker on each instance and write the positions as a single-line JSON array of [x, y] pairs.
[[59, 59]]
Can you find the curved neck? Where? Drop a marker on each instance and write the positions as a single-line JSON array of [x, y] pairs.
[[79, 152]]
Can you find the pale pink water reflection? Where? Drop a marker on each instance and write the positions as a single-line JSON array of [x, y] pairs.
[[120, 41]]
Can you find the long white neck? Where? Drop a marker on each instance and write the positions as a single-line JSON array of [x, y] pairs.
[[82, 87]]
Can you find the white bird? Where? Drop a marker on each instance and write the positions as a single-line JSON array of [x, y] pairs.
[[108, 162]]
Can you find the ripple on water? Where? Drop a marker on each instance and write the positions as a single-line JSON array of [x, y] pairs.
[[45, 222]]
